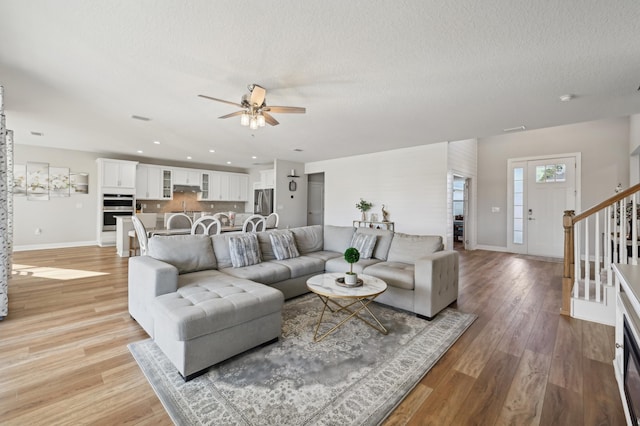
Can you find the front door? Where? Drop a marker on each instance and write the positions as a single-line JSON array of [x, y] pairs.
[[542, 190]]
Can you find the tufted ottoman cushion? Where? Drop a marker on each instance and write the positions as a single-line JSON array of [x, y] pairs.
[[209, 320], [199, 309]]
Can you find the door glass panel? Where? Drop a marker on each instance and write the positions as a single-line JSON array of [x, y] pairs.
[[518, 205]]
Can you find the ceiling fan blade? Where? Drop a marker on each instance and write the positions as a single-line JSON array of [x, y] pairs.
[[233, 114], [287, 109], [221, 100], [257, 95], [269, 119]]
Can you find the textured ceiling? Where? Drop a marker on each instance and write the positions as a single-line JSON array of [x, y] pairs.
[[373, 75]]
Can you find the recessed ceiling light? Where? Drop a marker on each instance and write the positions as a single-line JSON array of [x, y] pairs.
[[139, 151], [156, 142], [253, 157], [141, 118], [37, 133], [188, 157], [228, 162], [514, 129], [212, 150], [566, 98]]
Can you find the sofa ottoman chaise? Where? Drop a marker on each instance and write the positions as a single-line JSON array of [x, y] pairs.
[[200, 325]]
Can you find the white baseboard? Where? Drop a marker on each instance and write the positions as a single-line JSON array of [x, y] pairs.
[[54, 245], [491, 248]]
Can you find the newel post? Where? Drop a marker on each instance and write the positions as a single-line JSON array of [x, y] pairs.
[[567, 274]]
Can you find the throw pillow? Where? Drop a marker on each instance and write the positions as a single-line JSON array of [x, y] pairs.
[[188, 253], [283, 245], [244, 250], [364, 243]]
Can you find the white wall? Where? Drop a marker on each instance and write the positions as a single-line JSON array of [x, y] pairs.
[[291, 206], [411, 183], [63, 221], [604, 145]]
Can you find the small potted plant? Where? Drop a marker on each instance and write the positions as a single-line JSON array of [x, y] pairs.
[[364, 206], [351, 255]]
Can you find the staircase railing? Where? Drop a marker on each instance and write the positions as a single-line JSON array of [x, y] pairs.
[[592, 243]]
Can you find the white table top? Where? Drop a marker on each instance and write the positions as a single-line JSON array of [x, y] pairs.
[[325, 285]]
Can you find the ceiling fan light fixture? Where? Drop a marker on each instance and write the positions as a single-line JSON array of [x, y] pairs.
[[244, 119], [261, 121], [253, 123]]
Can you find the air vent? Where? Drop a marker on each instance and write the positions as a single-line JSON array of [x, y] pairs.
[[141, 118], [37, 133]]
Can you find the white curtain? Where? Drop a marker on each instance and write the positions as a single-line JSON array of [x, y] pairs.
[[6, 206]]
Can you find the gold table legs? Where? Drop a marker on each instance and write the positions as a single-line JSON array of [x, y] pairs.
[[364, 306]]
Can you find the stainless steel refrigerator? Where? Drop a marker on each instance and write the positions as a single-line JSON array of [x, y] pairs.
[[263, 201]]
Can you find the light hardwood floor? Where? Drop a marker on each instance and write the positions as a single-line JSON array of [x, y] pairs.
[[64, 357]]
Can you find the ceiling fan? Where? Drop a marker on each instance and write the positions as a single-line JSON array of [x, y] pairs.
[[255, 111]]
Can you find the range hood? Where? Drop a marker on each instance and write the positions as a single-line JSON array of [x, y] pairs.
[[186, 188]]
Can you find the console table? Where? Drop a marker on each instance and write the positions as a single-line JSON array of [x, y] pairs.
[[370, 224]]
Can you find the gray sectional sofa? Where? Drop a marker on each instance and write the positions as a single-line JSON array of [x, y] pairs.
[[192, 293]]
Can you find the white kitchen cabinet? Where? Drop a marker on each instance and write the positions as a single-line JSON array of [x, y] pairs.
[[224, 186], [117, 175], [214, 186], [153, 182], [186, 177], [267, 178], [238, 187]]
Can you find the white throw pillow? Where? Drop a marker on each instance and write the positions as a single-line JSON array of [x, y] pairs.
[[364, 243], [283, 245], [244, 250]]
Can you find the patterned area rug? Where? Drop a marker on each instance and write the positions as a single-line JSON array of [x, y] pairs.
[[355, 376]]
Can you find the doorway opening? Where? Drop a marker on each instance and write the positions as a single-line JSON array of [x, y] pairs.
[[315, 199], [459, 209]]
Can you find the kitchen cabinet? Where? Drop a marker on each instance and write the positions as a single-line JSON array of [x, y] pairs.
[[205, 186], [223, 186], [238, 187], [153, 183], [117, 174], [186, 177], [267, 178]]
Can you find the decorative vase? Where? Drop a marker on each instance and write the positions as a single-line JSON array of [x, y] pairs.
[[364, 216], [350, 278]]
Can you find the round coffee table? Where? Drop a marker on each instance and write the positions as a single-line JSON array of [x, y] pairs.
[[326, 288]]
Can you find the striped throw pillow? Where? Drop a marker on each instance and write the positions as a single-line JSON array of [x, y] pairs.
[[364, 243], [283, 245], [244, 250]]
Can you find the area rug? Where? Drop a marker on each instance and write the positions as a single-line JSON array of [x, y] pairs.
[[355, 376]]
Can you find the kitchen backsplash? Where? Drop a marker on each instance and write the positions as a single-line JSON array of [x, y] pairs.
[[189, 202]]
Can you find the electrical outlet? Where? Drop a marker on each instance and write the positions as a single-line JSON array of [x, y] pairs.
[[144, 206], [78, 205], [211, 205], [38, 231], [157, 206]]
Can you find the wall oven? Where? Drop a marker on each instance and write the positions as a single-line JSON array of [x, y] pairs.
[[114, 205], [631, 372]]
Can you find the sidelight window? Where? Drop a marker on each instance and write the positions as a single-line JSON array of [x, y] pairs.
[[518, 205]]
